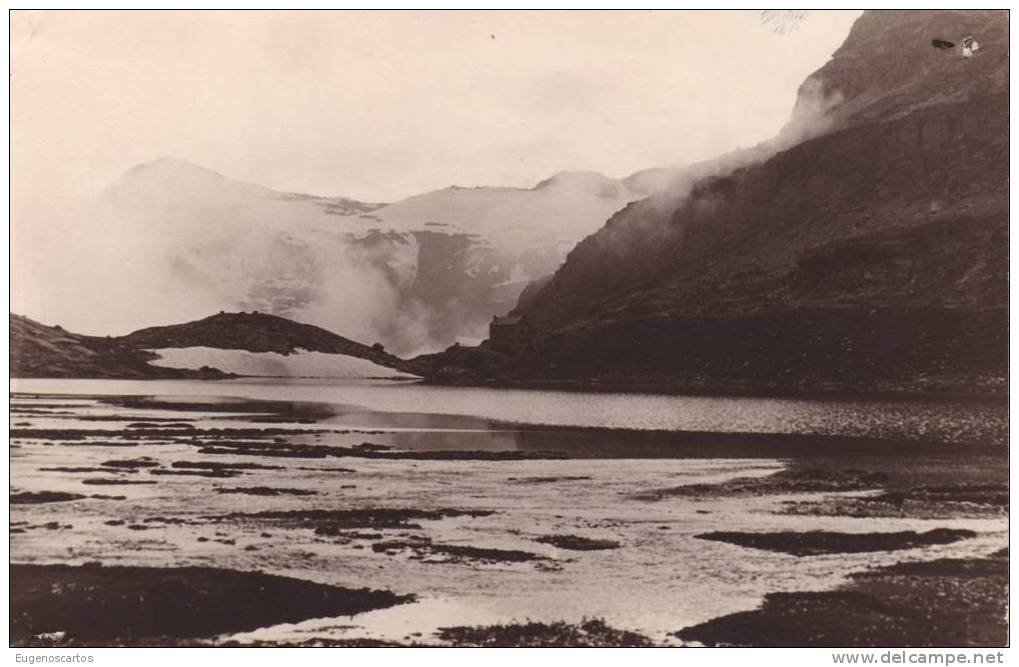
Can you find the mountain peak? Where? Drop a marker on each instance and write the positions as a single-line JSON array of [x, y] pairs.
[[591, 182], [254, 331], [899, 61], [169, 165], [571, 177], [167, 178]]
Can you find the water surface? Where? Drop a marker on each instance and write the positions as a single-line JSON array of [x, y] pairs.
[[660, 579]]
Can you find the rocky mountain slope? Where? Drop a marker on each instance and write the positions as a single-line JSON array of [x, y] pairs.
[[415, 274], [254, 343], [873, 256], [42, 351], [254, 332]]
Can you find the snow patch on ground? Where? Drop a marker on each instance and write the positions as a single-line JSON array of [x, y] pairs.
[[301, 363]]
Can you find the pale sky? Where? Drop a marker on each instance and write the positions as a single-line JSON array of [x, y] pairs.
[[383, 105]]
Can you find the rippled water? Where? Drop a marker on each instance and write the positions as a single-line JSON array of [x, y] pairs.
[[946, 420], [661, 579]]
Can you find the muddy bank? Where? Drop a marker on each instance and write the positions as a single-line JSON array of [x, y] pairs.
[[264, 491], [588, 634], [799, 478], [423, 548], [933, 502], [948, 602], [331, 522], [819, 542], [594, 633], [98, 605], [577, 543], [549, 480], [368, 450], [155, 432], [922, 487], [39, 497]]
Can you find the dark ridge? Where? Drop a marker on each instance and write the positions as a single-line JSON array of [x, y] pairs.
[[38, 350], [254, 332], [819, 542], [588, 633], [42, 351], [327, 522], [103, 604], [265, 491], [422, 547], [577, 543], [940, 603], [39, 497]]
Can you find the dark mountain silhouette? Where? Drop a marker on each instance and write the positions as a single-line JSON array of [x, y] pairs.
[[38, 350], [254, 332], [43, 351], [873, 255]]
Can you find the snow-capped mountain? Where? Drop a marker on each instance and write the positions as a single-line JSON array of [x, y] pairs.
[[416, 274]]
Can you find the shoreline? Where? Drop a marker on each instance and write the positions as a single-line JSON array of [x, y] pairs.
[[666, 389], [595, 387]]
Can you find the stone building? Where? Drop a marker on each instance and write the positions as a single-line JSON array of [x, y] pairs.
[[510, 335]]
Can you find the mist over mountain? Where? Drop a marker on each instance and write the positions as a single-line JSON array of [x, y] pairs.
[[865, 247], [882, 193], [415, 275]]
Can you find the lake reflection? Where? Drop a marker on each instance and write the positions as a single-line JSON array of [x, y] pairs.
[[531, 420]]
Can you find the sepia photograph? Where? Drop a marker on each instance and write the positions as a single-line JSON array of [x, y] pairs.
[[510, 329]]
